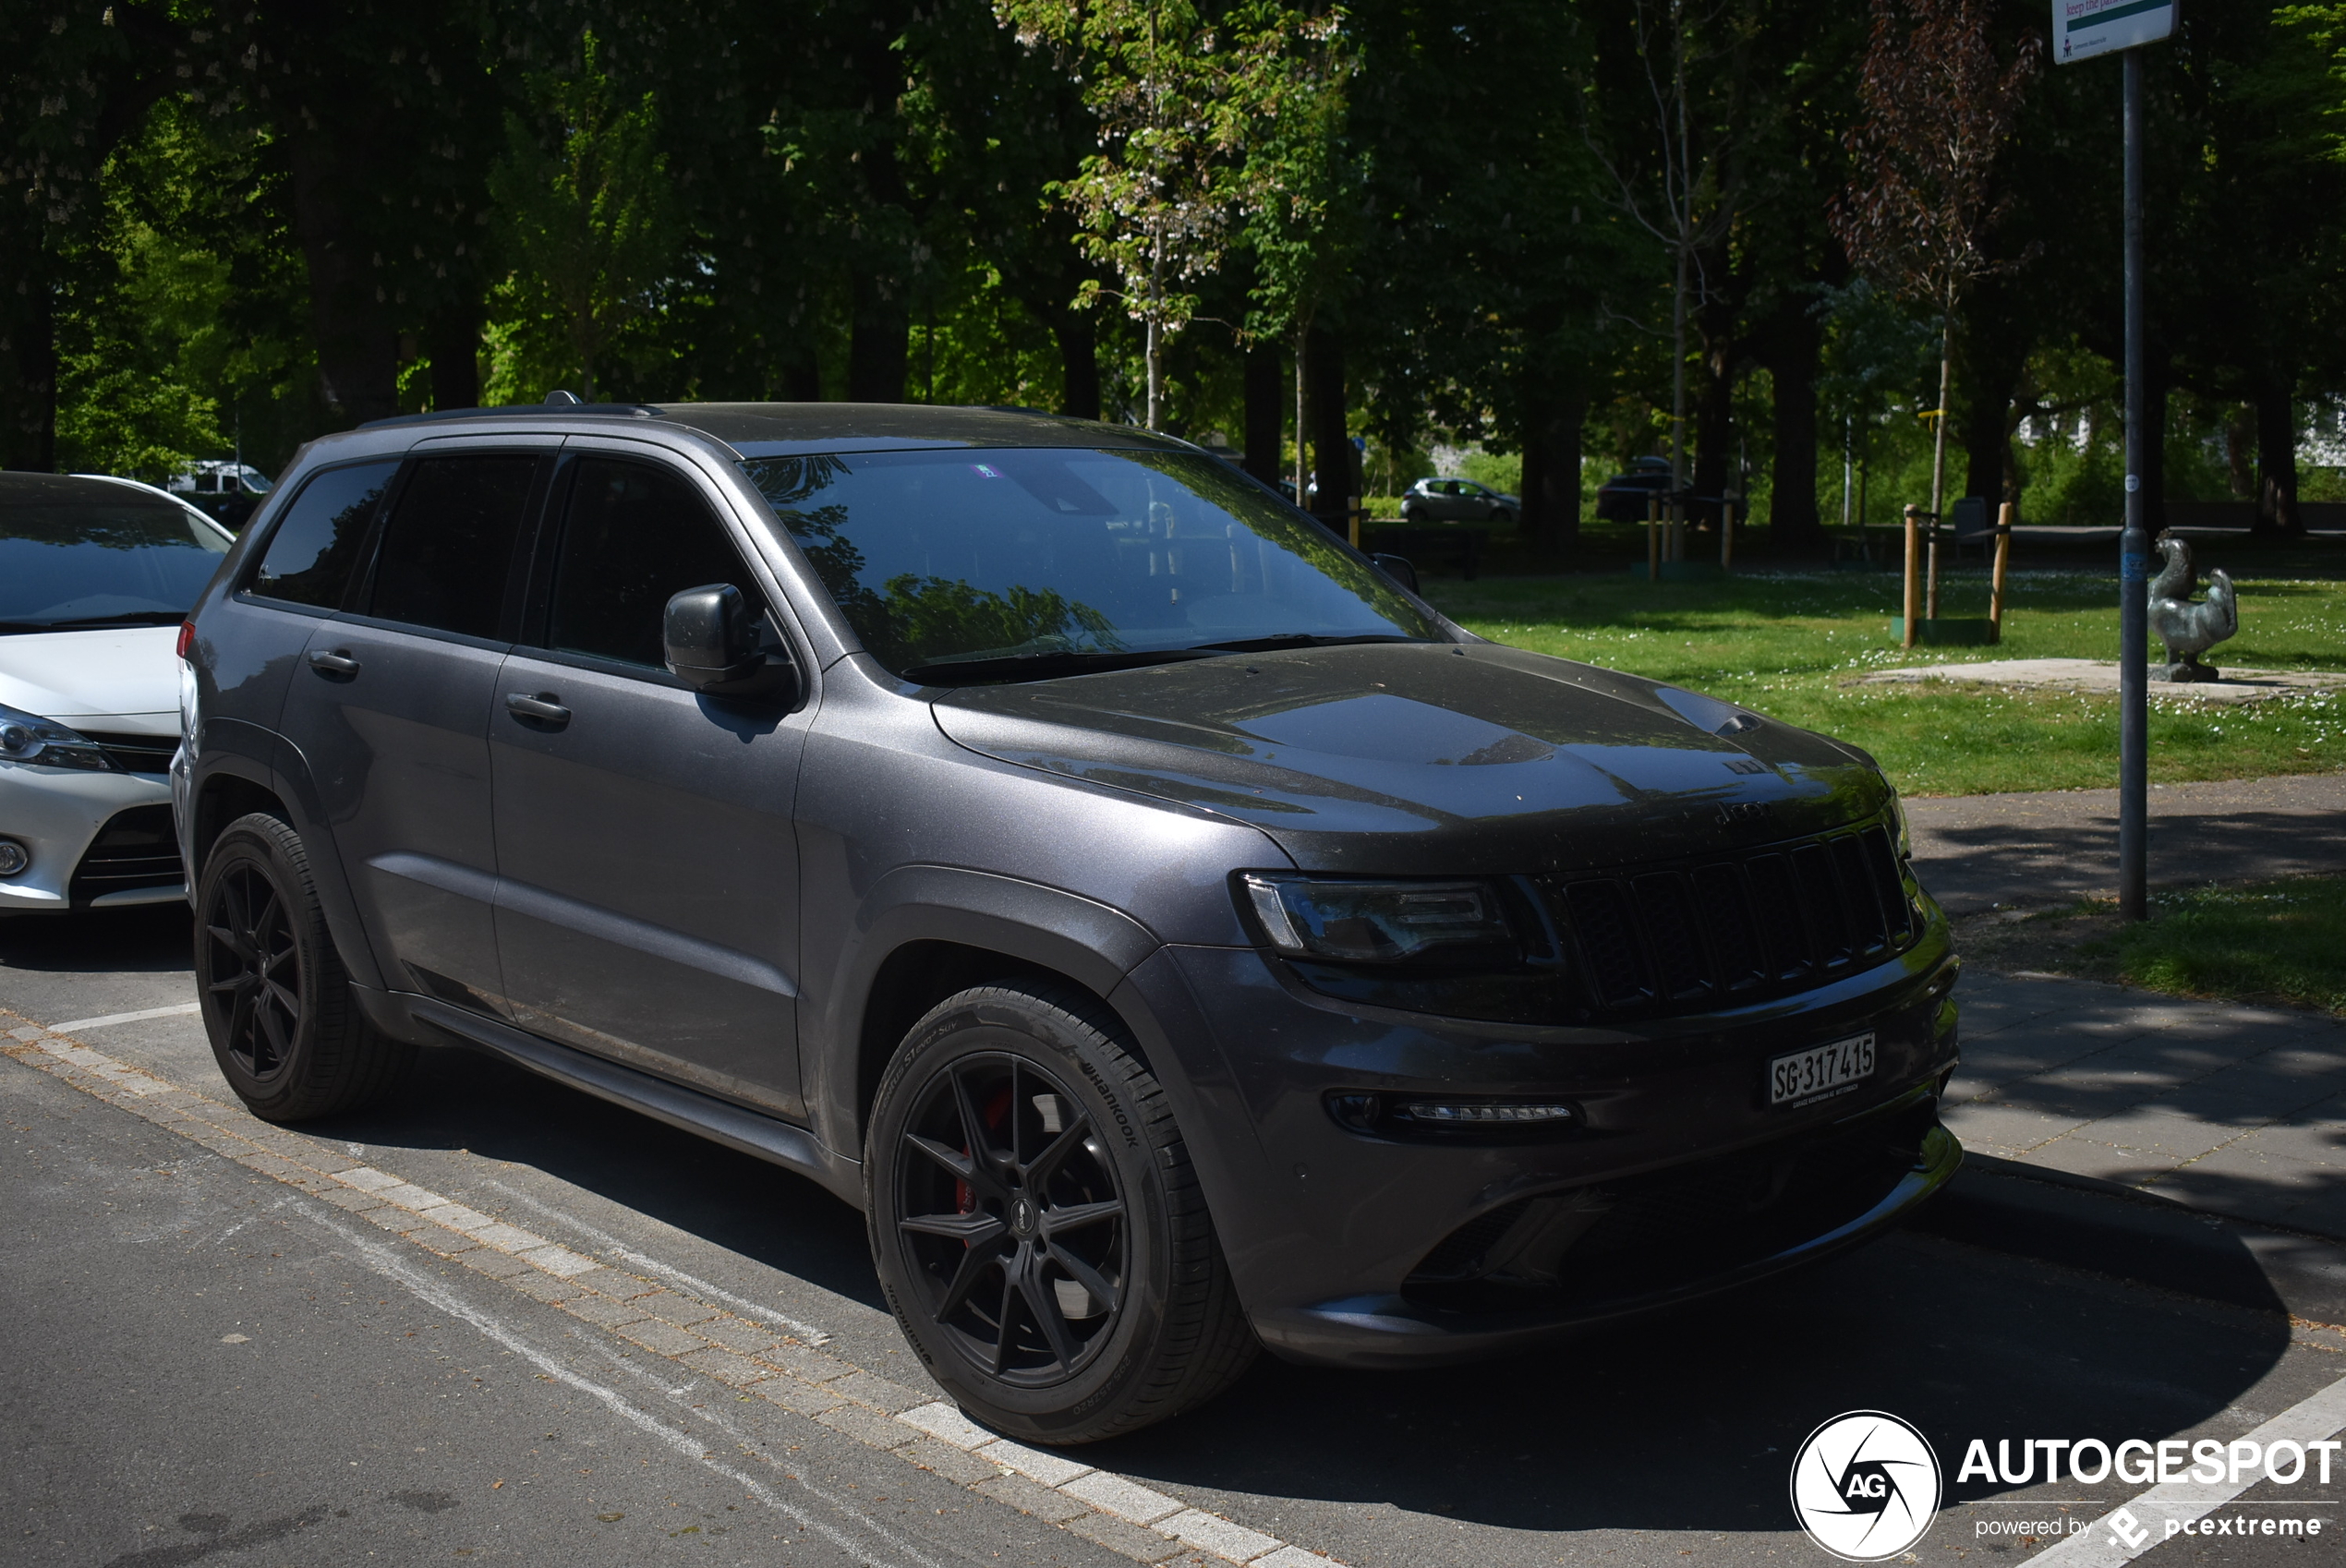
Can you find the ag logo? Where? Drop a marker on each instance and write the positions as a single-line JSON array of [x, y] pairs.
[[1864, 1486]]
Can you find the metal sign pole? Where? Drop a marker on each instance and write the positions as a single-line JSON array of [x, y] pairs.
[[2133, 543]]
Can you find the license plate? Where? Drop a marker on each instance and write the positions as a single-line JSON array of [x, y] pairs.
[[1820, 1070]]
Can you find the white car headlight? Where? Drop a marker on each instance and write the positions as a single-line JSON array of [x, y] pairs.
[[41, 742]]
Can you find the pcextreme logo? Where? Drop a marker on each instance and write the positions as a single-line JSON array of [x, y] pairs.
[[1864, 1486]]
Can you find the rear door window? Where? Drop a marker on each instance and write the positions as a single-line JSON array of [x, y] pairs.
[[447, 552], [315, 548], [635, 536]]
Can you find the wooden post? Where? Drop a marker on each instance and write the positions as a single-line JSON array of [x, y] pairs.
[[1996, 594], [1913, 584], [1653, 539], [1728, 536], [1352, 512]]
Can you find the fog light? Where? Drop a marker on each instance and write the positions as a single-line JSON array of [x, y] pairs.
[[1385, 1117], [14, 857], [1486, 1112]]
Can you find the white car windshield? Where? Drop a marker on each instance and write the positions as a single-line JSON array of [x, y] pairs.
[[974, 556], [70, 564]]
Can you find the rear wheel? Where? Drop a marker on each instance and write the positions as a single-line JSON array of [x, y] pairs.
[[1037, 1226], [277, 1004]]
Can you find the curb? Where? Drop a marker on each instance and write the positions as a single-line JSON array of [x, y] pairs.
[[2082, 1223]]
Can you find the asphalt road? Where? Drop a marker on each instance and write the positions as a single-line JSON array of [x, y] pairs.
[[203, 1364]]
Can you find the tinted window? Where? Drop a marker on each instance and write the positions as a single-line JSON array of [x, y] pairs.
[[448, 548], [70, 559], [316, 543], [944, 555], [635, 535]]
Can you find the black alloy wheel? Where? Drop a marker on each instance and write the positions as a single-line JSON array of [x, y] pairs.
[[277, 1004], [253, 967], [1011, 1210], [1037, 1224]]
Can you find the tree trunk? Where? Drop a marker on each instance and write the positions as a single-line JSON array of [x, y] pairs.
[[1552, 428], [452, 340], [2276, 458], [1079, 364], [1265, 409], [879, 346], [28, 351], [2159, 377], [1332, 454], [357, 348], [1791, 491], [1992, 360]]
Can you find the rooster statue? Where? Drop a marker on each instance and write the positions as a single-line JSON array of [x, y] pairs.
[[2188, 628]]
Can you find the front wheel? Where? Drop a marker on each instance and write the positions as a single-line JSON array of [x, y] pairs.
[[284, 1028], [1037, 1226]]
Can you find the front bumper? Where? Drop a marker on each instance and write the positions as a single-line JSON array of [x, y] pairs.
[[57, 814], [1359, 1250]]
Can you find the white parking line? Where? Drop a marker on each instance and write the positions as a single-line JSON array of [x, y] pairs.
[[111, 1018], [390, 1265], [627, 1254], [2103, 1544]]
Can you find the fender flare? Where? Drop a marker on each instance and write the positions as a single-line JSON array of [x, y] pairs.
[[1091, 943]]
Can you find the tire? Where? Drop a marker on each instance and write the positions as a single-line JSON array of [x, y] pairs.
[[1101, 1308], [291, 1050], [1501, 514]]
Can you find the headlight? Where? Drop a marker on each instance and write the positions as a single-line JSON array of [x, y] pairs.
[[1898, 823], [29, 738], [1382, 922]]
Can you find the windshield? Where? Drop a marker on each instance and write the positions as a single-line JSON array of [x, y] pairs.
[[941, 556], [72, 563]]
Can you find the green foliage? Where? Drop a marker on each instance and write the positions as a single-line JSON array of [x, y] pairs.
[[1799, 646], [2268, 941], [587, 218]]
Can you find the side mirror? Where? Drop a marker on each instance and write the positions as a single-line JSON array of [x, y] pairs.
[[710, 639], [1398, 568]]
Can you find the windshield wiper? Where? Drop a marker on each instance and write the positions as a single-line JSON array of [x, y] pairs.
[[86, 622], [1044, 665], [1303, 640]]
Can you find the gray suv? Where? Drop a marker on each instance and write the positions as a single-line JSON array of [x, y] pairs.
[[1173, 934]]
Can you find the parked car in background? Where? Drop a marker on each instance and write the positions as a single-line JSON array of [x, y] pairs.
[[1623, 498], [1458, 500], [1173, 934], [222, 490], [95, 577]]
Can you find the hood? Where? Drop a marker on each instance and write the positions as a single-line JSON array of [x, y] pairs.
[[1467, 759], [126, 679]]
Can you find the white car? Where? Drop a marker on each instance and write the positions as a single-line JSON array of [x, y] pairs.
[[95, 576]]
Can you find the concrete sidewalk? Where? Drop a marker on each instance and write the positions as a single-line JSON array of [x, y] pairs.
[[2229, 1109], [2050, 847]]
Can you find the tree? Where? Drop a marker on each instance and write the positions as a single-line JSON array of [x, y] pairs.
[[584, 209], [1939, 105], [1181, 98]]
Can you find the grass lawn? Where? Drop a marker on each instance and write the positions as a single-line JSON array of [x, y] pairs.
[[2280, 941], [1794, 643]]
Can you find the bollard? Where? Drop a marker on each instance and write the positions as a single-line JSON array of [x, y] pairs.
[[1728, 536], [1913, 587], [1352, 514], [1996, 593]]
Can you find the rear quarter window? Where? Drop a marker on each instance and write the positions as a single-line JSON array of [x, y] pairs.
[[312, 555]]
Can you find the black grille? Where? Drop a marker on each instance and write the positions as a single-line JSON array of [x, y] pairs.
[[1685, 937], [1678, 1225], [136, 849], [137, 754]]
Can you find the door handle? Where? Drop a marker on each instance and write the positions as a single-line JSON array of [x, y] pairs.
[[333, 664], [545, 710]]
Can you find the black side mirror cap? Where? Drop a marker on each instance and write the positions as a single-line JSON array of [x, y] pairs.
[[710, 642], [1397, 567]]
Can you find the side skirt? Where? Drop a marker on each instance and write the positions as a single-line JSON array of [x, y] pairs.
[[720, 1121]]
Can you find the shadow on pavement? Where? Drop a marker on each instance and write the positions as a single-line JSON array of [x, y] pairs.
[[148, 939], [2019, 860]]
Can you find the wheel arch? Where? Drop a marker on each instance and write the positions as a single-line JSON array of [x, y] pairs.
[[928, 932]]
